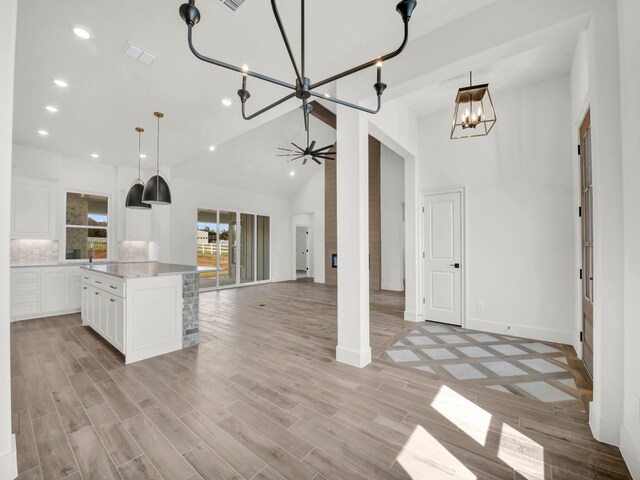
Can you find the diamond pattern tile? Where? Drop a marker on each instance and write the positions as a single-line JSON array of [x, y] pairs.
[[452, 339], [472, 356], [440, 353], [463, 371]]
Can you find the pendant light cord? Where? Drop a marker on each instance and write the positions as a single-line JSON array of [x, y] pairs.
[[139, 152], [158, 149]]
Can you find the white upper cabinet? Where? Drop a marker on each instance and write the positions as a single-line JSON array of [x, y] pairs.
[[33, 212], [139, 225]]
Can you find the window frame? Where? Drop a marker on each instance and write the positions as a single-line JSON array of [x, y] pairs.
[[238, 212], [109, 227]]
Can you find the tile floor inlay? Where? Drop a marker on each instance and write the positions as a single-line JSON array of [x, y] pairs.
[[507, 364]]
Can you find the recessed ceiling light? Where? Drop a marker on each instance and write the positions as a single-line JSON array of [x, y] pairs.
[[82, 32], [212, 148], [61, 83], [327, 95], [226, 102], [245, 68], [142, 155], [51, 108], [292, 173], [95, 155], [44, 133]]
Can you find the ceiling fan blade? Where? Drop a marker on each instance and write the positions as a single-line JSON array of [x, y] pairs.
[[296, 158], [324, 148], [299, 148], [324, 158], [288, 155], [313, 144], [316, 160], [286, 149], [304, 162]]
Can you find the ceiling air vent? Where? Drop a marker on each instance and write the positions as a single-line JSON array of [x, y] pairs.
[[230, 5], [139, 53]]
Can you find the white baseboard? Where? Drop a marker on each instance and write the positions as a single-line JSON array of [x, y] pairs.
[[412, 316], [394, 287], [44, 315], [9, 462], [603, 430], [533, 333], [630, 451], [352, 357]]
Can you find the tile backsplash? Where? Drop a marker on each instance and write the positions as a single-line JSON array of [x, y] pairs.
[[130, 251], [34, 252]]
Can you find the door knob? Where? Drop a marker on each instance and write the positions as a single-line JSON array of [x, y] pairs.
[[454, 265]]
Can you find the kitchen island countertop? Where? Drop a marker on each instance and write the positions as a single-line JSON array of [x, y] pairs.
[[142, 270]]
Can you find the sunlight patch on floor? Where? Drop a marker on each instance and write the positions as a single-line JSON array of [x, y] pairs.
[[520, 452], [417, 466], [463, 413]]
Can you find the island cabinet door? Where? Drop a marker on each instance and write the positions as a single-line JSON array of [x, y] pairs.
[[84, 296], [99, 312], [115, 322]]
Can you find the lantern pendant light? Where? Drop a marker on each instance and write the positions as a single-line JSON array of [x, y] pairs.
[[156, 191], [474, 115], [134, 197]]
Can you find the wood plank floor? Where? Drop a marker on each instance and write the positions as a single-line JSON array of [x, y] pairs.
[[262, 398]]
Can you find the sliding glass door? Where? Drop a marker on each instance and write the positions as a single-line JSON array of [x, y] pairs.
[[208, 247], [263, 248], [228, 248], [236, 255]]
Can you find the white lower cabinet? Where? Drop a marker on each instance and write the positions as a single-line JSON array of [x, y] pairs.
[[102, 310], [115, 321], [45, 291], [55, 290]]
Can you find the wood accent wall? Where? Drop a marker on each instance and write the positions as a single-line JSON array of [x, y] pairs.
[[330, 218], [375, 234], [330, 222]]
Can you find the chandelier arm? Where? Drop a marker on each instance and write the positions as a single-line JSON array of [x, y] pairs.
[[233, 67], [276, 14], [267, 108], [368, 64], [350, 105]]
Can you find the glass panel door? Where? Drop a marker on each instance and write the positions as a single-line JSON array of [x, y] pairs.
[[263, 248], [208, 247], [228, 248], [247, 232]]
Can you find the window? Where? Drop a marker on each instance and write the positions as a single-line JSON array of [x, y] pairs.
[[87, 227], [235, 253]]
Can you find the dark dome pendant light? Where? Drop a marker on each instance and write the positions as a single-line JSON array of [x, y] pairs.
[[156, 191], [134, 197]]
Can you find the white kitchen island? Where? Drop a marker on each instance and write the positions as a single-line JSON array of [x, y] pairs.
[[142, 309]]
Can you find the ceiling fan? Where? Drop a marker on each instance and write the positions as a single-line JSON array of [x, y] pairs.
[[316, 154]]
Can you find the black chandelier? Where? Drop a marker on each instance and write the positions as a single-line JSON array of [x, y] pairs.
[[303, 88]]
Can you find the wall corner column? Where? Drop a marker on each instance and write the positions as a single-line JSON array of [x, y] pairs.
[[352, 199], [8, 458]]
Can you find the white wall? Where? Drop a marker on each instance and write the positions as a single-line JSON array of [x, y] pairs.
[[8, 461], [595, 80], [628, 18], [307, 208], [91, 177], [189, 196], [391, 219], [520, 210]]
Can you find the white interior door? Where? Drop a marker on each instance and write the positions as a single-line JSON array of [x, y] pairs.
[[301, 248], [442, 266]]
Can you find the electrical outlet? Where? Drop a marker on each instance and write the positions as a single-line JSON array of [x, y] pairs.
[[480, 304]]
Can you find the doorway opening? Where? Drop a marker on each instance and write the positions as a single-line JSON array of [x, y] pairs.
[[302, 251], [586, 214]]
